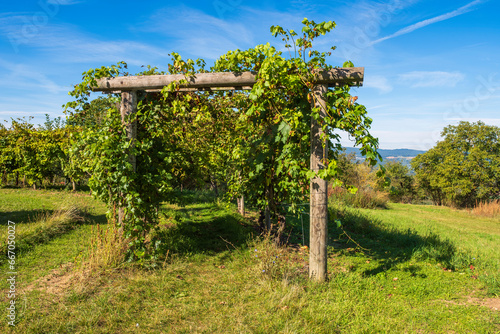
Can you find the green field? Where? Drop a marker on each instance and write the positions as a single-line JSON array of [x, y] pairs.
[[409, 269]]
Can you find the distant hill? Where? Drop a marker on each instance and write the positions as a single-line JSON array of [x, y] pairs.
[[397, 153], [403, 154]]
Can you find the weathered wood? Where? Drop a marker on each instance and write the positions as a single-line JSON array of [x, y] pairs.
[[128, 107], [189, 89], [218, 81], [267, 215], [241, 205], [318, 194]]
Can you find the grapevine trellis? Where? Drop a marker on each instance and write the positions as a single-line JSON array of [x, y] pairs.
[[265, 125], [129, 86]]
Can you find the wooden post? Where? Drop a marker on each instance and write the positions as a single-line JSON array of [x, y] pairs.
[[319, 194], [128, 107], [267, 215], [241, 205]]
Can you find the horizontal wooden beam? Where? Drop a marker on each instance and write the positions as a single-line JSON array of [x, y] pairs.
[[219, 81], [189, 89]]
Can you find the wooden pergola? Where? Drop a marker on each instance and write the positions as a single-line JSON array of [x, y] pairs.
[[128, 86]]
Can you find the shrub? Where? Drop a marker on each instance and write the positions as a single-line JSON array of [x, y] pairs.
[[362, 177], [366, 198]]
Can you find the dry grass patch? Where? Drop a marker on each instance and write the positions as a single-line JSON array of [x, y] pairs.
[[487, 209]]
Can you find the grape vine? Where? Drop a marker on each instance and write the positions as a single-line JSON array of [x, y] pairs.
[[255, 142]]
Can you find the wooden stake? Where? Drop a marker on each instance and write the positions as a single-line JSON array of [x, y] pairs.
[[128, 107], [267, 214], [319, 194], [241, 205]]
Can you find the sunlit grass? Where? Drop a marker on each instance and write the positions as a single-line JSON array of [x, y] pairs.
[[219, 276]]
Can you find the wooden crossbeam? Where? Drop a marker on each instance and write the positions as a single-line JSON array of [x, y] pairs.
[[219, 81]]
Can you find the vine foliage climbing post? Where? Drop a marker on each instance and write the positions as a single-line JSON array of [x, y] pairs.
[[318, 191], [275, 143], [128, 108]]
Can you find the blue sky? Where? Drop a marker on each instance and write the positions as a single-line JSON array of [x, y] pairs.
[[427, 63]]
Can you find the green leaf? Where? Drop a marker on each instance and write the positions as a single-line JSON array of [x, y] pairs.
[[338, 222], [348, 63]]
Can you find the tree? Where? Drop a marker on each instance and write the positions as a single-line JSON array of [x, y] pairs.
[[464, 168], [357, 183], [9, 161], [400, 182]]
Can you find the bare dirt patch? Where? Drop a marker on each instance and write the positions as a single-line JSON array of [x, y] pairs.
[[57, 282], [68, 279], [491, 303]]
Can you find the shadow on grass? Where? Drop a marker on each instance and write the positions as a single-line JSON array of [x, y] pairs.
[[389, 245], [209, 236], [42, 233], [23, 216], [32, 216], [186, 197], [392, 246]]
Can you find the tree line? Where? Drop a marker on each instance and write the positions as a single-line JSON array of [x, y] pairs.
[[33, 155], [461, 170]]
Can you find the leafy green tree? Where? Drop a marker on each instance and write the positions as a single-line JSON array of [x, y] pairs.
[[399, 182], [464, 168], [87, 117]]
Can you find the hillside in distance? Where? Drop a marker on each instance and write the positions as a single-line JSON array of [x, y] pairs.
[[402, 154]]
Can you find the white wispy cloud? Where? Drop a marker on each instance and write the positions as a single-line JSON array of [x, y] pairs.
[[462, 10], [360, 22], [378, 82], [431, 79], [21, 76], [63, 2], [197, 33], [210, 36], [67, 44], [18, 113]]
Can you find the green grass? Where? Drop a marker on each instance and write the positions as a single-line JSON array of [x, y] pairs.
[[455, 238], [220, 278]]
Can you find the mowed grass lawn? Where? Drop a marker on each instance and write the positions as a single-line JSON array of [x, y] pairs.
[[408, 269]]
